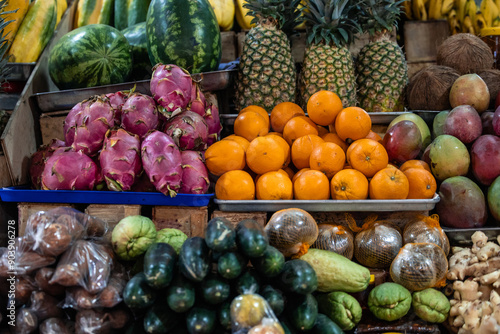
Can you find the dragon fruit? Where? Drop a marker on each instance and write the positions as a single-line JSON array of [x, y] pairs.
[[71, 119], [100, 182], [194, 173], [139, 114], [120, 159], [91, 126], [143, 184], [212, 119], [161, 160], [188, 130], [198, 103], [171, 88], [69, 170], [117, 100], [40, 157]]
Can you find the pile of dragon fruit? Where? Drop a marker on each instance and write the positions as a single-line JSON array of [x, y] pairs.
[[128, 141]]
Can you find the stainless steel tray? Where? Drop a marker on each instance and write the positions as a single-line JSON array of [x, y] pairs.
[[19, 71], [462, 236], [330, 205]]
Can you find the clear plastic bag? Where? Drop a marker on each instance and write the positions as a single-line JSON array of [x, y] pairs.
[[45, 306], [419, 266], [426, 229], [335, 238], [250, 313], [92, 322], [79, 298], [53, 326], [23, 260]]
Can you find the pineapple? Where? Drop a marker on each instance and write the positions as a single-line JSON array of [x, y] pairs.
[[266, 73], [4, 45], [381, 69], [328, 63]]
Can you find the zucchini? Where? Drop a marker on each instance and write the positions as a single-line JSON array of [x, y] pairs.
[[271, 263], [137, 294], [215, 289], [159, 265], [231, 265], [298, 276], [224, 315], [201, 320], [194, 259], [274, 298], [302, 311], [325, 325], [181, 294], [160, 319], [251, 238], [220, 236], [248, 282]]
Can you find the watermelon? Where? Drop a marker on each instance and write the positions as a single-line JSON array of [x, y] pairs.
[[136, 37], [130, 12], [93, 55], [184, 33]]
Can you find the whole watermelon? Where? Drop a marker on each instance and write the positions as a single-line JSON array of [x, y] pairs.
[[93, 55], [184, 33], [136, 37]]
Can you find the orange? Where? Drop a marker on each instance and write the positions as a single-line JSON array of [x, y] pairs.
[[299, 173], [302, 148], [414, 163], [353, 123], [349, 184], [389, 183], [274, 186], [422, 183], [311, 185], [235, 185], [264, 155], [279, 134], [261, 111], [289, 171], [328, 158], [284, 145], [297, 127], [374, 136], [323, 107], [240, 140], [223, 156], [334, 138], [250, 125], [368, 156], [322, 131], [282, 113]]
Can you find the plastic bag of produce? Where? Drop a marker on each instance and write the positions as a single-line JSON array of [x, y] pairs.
[[79, 298], [91, 322], [335, 238], [419, 266], [45, 306], [426, 229], [22, 259], [54, 326]]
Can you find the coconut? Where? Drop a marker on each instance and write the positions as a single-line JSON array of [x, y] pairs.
[[466, 53], [429, 88], [492, 79]]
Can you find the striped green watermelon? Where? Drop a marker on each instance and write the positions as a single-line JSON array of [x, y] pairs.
[[93, 55], [136, 37], [184, 33], [130, 12]]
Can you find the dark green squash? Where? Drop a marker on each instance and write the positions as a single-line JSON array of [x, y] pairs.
[[302, 311], [251, 238], [201, 320], [248, 282], [224, 315], [220, 235], [159, 264], [194, 259], [230, 265], [325, 325], [137, 294], [274, 298], [271, 263], [160, 319], [298, 276], [215, 289], [181, 294]]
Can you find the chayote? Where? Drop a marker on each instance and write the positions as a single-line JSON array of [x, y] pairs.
[[132, 236], [341, 307], [172, 236], [431, 305], [389, 301]]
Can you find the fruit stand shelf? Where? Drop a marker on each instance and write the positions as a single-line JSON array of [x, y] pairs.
[[19, 71]]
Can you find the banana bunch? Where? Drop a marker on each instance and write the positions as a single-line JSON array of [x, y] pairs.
[[424, 10], [467, 16]]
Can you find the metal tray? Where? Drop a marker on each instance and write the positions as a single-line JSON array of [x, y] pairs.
[[19, 71], [329, 205], [462, 236], [23, 194], [9, 101]]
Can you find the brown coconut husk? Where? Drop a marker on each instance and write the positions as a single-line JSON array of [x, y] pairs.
[[492, 79], [466, 53], [429, 88]]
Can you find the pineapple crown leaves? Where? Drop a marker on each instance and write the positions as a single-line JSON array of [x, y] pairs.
[[285, 14], [380, 15], [4, 45], [332, 21]]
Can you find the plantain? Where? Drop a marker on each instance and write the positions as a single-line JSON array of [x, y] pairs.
[[460, 8], [407, 9], [468, 25], [435, 9], [470, 11], [446, 7], [480, 22], [419, 10]]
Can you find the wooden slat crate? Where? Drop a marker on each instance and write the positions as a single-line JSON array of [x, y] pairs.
[[228, 43], [51, 125], [25, 210], [236, 217], [112, 213], [190, 220]]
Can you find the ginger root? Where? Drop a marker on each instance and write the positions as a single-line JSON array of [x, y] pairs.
[[466, 290], [479, 239], [489, 250]]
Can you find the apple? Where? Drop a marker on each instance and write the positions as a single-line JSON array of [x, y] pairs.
[[419, 121], [487, 123], [464, 123], [448, 157], [472, 90], [402, 142], [438, 123], [485, 159]]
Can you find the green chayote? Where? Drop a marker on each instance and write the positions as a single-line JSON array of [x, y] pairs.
[[431, 305], [132, 236], [341, 307], [389, 301]]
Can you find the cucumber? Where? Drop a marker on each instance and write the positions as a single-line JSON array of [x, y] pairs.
[[215, 289], [137, 294], [159, 264], [248, 282], [201, 320], [325, 325], [251, 238], [271, 263], [274, 298], [302, 311], [194, 259], [298, 276], [231, 265], [220, 236], [160, 319], [224, 315], [181, 294]]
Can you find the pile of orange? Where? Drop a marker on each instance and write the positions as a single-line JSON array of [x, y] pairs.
[[331, 153]]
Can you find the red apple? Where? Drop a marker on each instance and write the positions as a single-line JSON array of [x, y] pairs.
[[403, 141], [485, 159], [464, 123]]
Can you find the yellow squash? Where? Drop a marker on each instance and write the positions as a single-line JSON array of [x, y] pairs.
[[224, 11], [241, 15], [93, 12], [21, 8], [62, 5]]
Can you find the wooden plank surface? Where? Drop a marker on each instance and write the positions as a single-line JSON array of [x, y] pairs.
[[111, 213], [236, 217], [25, 210], [190, 220], [51, 126], [5, 180]]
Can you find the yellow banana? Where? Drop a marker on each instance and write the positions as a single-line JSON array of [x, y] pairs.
[[480, 22], [418, 10], [495, 19], [435, 9], [468, 26], [446, 7], [454, 26], [460, 8], [407, 9], [470, 10]]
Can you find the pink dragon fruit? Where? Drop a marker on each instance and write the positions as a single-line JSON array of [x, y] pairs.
[[69, 170], [40, 157], [212, 119], [171, 88], [100, 182], [188, 130], [194, 173], [117, 100], [70, 121], [161, 160], [139, 114], [143, 184], [198, 103], [120, 159], [92, 125]]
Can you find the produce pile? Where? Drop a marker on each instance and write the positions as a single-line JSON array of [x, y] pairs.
[[132, 141]]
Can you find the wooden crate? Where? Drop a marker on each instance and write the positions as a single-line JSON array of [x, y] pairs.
[[25, 210], [228, 43], [190, 220], [236, 217], [423, 38], [112, 213], [51, 125]]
